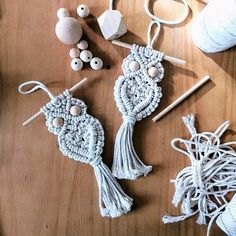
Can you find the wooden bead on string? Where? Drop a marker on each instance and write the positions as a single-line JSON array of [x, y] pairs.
[[75, 110], [83, 11], [133, 66], [68, 30]]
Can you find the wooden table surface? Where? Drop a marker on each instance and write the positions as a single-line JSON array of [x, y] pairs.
[[44, 193]]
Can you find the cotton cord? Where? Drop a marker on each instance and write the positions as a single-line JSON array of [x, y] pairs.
[[214, 29], [202, 187], [81, 137]]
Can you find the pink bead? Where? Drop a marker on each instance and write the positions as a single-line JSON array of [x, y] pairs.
[[74, 52], [133, 65], [58, 122], [153, 72], [75, 110]]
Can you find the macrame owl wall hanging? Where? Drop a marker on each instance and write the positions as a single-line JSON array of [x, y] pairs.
[[81, 137], [137, 94]]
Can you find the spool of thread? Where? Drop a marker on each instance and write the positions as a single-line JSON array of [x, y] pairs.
[[227, 220], [214, 29]]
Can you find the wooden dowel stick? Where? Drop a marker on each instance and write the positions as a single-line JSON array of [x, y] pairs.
[[167, 58], [181, 98], [39, 113]]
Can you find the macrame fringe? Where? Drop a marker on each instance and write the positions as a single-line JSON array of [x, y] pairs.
[[126, 163], [113, 202]]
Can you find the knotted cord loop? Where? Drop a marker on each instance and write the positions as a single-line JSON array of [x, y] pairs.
[[38, 85], [150, 42]]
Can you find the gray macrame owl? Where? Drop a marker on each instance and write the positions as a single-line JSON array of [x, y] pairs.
[[81, 137], [137, 94]]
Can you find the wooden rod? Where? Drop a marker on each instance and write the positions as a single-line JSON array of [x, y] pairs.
[[166, 57], [39, 113], [181, 98]]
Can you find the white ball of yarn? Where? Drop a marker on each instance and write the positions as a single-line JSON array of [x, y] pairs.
[[83, 11], [96, 63], [86, 56], [68, 30], [214, 29], [62, 12]]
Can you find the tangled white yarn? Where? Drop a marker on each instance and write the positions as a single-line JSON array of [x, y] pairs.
[[81, 137], [214, 29], [202, 187]]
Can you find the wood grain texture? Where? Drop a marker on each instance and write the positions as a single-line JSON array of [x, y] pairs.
[[45, 193]]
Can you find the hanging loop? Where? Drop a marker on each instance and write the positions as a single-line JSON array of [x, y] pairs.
[[151, 41], [38, 85], [168, 22]]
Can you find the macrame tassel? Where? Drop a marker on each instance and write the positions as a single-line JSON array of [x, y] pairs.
[[126, 163], [113, 202]]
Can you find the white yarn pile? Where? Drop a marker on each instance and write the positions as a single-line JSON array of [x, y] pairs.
[[214, 29], [202, 187]]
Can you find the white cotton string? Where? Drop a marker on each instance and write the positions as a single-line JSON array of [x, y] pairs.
[[38, 85], [202, 187], [167, 22], [150, 42], [214, 29]]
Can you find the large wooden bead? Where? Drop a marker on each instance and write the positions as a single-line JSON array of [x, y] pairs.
[[58, 122], [62, 12], [86, 56], [133, 66], [83, 11], [75, 110], [153, 72], [112, 24], [68, 30]]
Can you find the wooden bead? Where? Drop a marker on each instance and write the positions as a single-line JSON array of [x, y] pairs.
[[153, 72], [96, 63], [133, 65], [75, 110], [62, 12], [82, 44], [76, 64], [68, 30], [112, 24], [83, 11], [86, 55], [74, 52], [58, 122]]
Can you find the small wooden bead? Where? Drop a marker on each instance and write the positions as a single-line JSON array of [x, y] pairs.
[[86, 56], [153, 71], [83, 11], [75, 110], [133, 65], [58, 122], [74, 52], [96, 63], [62, 12], [68, 30], [76, 64], [82, 44]]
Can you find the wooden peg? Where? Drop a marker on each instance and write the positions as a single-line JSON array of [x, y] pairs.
[[39, 113], [167, 58], [181, 98]]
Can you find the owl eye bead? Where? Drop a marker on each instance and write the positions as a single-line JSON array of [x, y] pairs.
[[82, 44], [74, 52], [75, 110], [86, 56], [133, 65], [57, 122], [153, 72], [96, 63], [76, 64], [83, 11]]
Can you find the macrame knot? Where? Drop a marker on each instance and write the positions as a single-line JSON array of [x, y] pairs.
[[197, 175], [96, 162], [129, 119]]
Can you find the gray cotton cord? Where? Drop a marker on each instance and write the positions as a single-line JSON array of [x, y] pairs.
[[202, 187], [81, 137]]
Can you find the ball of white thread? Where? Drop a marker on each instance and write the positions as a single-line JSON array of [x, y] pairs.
[[227, 220], [68, 30], [62, 12], [214, 29]]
